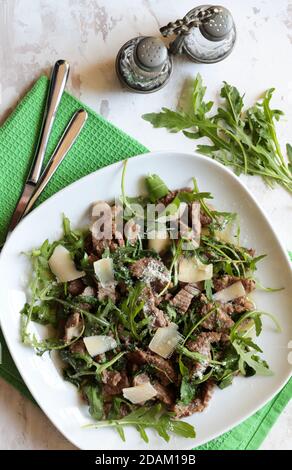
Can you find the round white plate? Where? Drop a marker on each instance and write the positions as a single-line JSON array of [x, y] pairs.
[[59, 399]]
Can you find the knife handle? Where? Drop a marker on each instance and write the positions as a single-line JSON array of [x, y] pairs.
[[57, 85], [67, 140]]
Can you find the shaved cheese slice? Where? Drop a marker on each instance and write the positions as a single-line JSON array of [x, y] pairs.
[[165, 340], [104, 270], [158, 240], [62, 265], [230, 293], [140, 393], [191, 270], [99, 344]]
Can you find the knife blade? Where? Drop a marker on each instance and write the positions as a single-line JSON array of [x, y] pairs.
[[57, 85]]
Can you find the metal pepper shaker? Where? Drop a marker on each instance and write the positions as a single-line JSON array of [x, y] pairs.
[[206, 34], [144, 64]]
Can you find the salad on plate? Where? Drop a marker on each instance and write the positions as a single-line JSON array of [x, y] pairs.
[[150, 308]]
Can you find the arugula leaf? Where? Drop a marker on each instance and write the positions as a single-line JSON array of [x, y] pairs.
[[187, 390], [94, 397], [156, 187], [208, 284], [251, 359], [130, 309], [150, 417], [173, 121], [44, 314], [245, 140]]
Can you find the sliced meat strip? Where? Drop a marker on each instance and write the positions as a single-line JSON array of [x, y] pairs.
[[73, 327], [225, 281], [239, 305], [205, 219], [107, 293], [164, 367], [160, 320], [166, 200], [76, 287], [152, 272], [78, 347], [198, 404], [164, 394], [182, 300], [219, 320], [114, 382], [202, 345]]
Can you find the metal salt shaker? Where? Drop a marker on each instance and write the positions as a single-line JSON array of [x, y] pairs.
[[144, 64], [206, 34]]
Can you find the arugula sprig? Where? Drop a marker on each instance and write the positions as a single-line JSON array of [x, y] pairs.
[[154, 417], [249, 361], [245, 140]]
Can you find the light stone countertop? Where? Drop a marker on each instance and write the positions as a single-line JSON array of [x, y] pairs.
[[88, 33]]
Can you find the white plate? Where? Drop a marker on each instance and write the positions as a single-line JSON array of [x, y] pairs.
[[59, 399]]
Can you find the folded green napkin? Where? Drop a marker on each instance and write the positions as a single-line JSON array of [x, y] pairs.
[[99, 144]]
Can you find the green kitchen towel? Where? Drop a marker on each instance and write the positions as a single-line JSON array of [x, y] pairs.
[[99, 144]]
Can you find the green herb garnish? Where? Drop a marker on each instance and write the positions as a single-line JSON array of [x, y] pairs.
[[246, 139]]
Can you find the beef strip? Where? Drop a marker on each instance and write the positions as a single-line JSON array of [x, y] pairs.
[[226, 280], [239, 305], [114, 382], [164, 394], [219, 320], [76, 287], [166, 200], [182, 300], [198, 404], [73, 327], [78, 347], [152, 272], [205, 219], [165, 369], [202, 345], [107, 293], [150, 309]]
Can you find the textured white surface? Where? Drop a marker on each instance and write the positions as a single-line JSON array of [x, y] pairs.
[[88, 33]]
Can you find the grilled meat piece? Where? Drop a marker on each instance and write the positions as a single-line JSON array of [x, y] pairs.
[[182, 300], [114, 382], [198, 404], [164, 367], [152, 272]]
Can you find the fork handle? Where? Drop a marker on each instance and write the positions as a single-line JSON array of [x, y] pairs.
[[57, 84]]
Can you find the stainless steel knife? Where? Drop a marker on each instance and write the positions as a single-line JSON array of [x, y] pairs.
[[57, 85]]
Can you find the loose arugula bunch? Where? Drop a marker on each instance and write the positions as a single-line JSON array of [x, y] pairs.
[[246, 140]]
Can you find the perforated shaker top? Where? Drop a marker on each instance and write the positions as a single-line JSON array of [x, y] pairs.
[[151, 54], [219, 26]]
